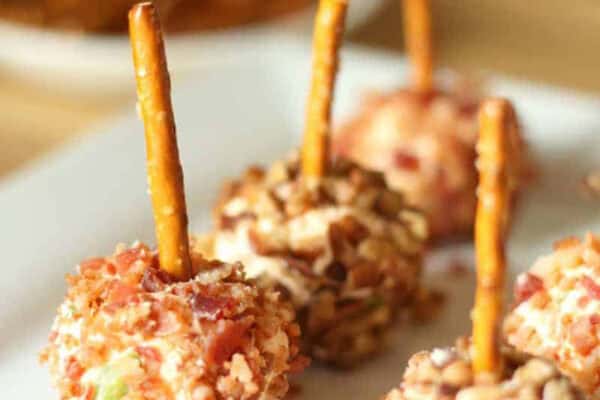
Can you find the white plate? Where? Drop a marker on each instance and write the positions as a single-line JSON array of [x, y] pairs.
[[83, 200], [99, 66]]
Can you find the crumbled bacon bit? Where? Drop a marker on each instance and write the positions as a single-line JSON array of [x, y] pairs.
[[167, 323], [209, 307], [127, 258], [120, 294], [405, 160], [425, 98], [74, 369], [149, 354], [583, 301], [155, 279], [93, 264], [226, 340], [592, 288], [595, 319], [583, 336], [566, 243], [527, 285], [299, 364], [363, 274]]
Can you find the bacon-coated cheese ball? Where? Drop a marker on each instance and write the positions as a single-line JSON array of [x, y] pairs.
[[126, 330], [346, 250], [425, 146], [557, 311], [446, 374]]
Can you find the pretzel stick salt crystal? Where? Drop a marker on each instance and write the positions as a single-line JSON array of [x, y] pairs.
[[417, 34], [165, 176], [329, 27], [495, 119]]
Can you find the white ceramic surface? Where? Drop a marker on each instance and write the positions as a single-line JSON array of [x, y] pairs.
[[100, 66], [83, 200]]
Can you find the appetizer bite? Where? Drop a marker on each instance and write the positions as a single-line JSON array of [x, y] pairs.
[[423, 138], [110, 16], [168, 324], [481, 368], [326, 233], [556, 313]]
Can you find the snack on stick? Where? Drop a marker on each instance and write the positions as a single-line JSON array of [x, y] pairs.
[[417, 36], [423, 138], [128, 329], [496, 117], [165, 176], [485, 369], [346, 250], [556, 310], [329, 27], [343, 248], [447, 374]]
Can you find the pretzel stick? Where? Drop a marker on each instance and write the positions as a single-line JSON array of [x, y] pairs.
[[165, 176], [329, 27], [417, 36], [496, 118]]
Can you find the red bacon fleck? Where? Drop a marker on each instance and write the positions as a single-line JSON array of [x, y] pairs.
[[592, 288], [228, 338], [149, 354], [155, 279], [93, 264], [127, 258], [299, 364], [595, 319], [583, 336], [583, 301], [407, 161], [527, 285], [210, 307], [121, 294], [166, 323], [74, 369]]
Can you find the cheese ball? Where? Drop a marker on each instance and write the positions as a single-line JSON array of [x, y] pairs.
[[425, 146], [344, 249], [557, 311], [127, 330], [446, 374]]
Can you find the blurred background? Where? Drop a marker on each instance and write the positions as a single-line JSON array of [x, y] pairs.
[[46, 98]]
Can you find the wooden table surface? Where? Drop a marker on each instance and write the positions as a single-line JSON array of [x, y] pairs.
[[552, 41]]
